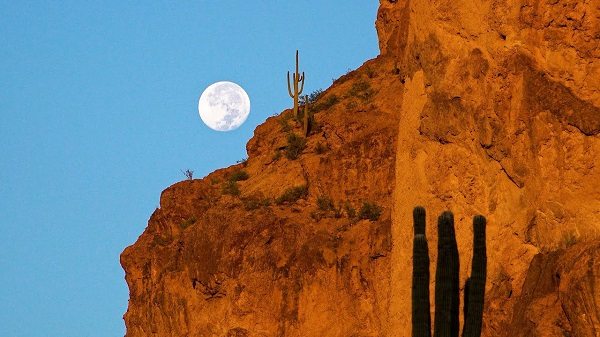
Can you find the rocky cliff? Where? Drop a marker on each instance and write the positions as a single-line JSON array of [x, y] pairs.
[[488, 107]]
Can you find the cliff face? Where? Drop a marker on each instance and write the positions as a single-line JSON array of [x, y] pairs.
[[501, 117], [479, 107]]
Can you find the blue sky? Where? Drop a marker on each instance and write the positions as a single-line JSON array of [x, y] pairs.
[[98, 114]]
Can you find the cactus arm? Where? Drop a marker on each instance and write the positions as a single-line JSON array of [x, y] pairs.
[[288, 83], [301, 80]]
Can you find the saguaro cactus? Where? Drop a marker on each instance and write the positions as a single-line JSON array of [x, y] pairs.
[[446, 279], [475, 292], [297, 79], [446, 322], [307, 117], [421, 318]]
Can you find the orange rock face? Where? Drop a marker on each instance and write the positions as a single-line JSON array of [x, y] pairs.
[[479, 107]]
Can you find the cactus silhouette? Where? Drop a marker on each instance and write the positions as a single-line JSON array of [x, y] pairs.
[[297, 79], [475, 287], [446, 321], [421, 318], [446, 279]]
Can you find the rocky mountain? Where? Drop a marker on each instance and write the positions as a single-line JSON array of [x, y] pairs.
[[481, 107]]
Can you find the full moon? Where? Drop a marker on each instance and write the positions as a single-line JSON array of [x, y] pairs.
[[224, 106]]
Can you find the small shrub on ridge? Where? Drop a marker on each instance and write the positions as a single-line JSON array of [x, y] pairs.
[[292, 194], [239, 175], [295, 145], [231, 188]]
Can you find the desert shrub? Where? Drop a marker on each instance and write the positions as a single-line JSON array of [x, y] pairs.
[[189, 174], [231, 188], [325, 203], [359, 86], [292, 194], [326, 103], [284, 122], [187, 223], [337, 212], [243, 161], [312, 97], [370, 211], [330, 101], [362, 90], [320, 148], [254, 202], [350, 211], [351, 105], [239, 175], [295, 145]]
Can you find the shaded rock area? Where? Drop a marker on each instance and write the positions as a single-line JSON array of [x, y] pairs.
[[486, 107], [558, 297]]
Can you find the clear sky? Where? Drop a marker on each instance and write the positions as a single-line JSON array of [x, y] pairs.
[[98, 114]]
